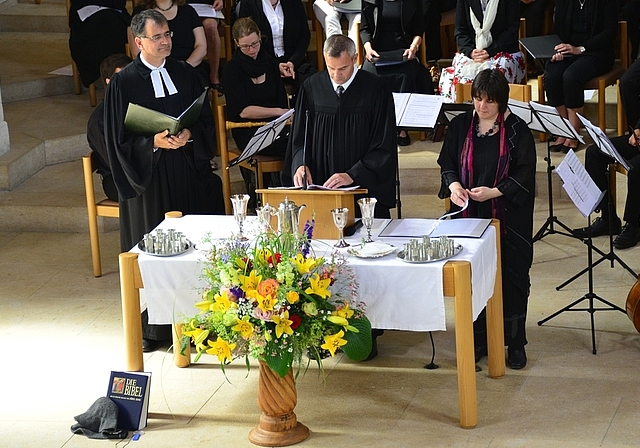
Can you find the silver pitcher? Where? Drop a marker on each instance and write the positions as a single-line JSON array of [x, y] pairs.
[[289, 216]]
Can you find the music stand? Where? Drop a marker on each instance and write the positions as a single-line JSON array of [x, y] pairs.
[[264, 136], [542, 118], [606, 146], [586, 196]]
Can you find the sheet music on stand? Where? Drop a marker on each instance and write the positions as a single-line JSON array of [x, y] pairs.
[[417, 110], [603, 143], [264, 136], [525, 113], [554, 123], [582, 190]]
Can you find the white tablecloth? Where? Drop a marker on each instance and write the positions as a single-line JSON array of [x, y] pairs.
[[398, 295]]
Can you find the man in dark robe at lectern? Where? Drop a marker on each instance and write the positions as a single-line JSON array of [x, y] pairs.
[[160, 173], [349, 117]]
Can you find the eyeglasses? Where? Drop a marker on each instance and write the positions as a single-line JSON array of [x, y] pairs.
[[256, 44], [157, 37]]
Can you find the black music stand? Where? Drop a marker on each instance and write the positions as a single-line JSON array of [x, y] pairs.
[[606, 146], [541, 118], [578, 185]]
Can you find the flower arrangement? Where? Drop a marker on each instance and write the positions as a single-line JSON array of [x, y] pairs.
[[273, 300]]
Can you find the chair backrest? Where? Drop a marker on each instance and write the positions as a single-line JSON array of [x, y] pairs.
[[520, 92], [105, 207]]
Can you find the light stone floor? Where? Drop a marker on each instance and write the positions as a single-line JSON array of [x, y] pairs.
[[62, 335]]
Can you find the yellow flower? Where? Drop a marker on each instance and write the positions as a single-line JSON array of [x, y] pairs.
[[204, 306], [293, 297], [265, 303], [251, 281], [198, 335], [283, 324], [338, 320], [345, 311], [319, 286], [222, 302], [304, 265], [263, 255], [244, 327], [332, 343], [222, 349]]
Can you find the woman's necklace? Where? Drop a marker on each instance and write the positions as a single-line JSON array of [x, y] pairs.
[[489, 132], [582, 2], [165, 10]]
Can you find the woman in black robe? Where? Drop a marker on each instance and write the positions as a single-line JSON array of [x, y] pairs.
[[489, 159], [255, 92]]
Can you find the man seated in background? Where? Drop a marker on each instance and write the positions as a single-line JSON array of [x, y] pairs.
[[95, 126]]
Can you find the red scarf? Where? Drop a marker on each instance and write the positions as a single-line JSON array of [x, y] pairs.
[[502, 170]]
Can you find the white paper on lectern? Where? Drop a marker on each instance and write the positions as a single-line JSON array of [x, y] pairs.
[[417, 110], [554, 123], [603, 143], [582, 190]]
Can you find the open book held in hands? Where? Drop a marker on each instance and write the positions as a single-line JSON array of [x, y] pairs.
[[144, 121]]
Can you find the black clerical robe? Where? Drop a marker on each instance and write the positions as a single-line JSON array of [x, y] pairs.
[[354, 134], [151, 183]]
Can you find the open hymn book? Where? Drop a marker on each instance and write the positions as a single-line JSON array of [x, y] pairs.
[[417, 110]]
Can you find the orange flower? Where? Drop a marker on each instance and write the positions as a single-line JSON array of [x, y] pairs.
[[268, 287]]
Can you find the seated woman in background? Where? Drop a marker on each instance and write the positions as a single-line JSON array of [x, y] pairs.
[[329, 17], [488, 159], [286, 35], [486, 33], [188, 42], [95, 36], [587, 30], [395, 26], [255, 92]]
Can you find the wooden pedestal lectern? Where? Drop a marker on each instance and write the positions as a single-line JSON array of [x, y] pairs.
[[319, 201]]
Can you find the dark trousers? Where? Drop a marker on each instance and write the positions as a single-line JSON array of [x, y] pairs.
[[596, 163], [564, 80], [630, 93]]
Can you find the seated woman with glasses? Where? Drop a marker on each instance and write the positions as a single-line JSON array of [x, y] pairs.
[[188, 42], [254, 91], [286, 35], [486, 33], [395, 27]]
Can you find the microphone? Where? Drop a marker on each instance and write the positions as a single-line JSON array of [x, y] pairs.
[[304, 149]]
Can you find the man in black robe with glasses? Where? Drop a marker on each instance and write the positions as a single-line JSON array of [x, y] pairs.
[[160, 173]]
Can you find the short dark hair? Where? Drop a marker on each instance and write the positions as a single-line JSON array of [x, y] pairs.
[[337, 44], [494, 85], [111, 63], [139, 21]]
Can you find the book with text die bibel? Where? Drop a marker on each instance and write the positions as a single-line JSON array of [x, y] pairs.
[[130, 391]]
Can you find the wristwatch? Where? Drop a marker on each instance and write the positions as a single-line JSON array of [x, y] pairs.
[[582, 49]]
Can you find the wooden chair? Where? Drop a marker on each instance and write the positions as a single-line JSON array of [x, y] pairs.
[[259, 164], [106, 207], [320, 37], [77, 83], [599, 83], [613, 169]]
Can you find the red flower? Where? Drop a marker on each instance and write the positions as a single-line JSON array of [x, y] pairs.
[[278, 257], [295, 321]]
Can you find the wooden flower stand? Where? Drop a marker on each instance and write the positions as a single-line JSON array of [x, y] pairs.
[[277, 397]]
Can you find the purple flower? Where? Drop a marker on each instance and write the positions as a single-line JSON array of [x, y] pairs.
[[308, 233]]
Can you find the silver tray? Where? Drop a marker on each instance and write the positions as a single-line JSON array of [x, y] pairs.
[[185, 248], [456, 250]]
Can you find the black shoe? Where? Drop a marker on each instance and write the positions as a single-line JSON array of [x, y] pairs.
[[599, 227], [629, 237], [404, 141], [480, 351], [517, 358], [149, 345], [556, 148]]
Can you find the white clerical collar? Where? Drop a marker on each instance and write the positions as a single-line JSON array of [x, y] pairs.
[[346, 85], [158, 75]]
